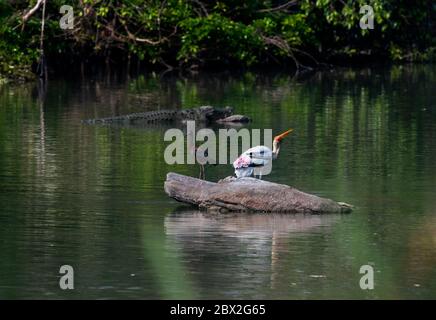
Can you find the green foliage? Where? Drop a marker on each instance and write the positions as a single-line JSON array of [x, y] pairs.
[[296, 31], [203, 32], [16, 56], [219, 38], [397, 24]]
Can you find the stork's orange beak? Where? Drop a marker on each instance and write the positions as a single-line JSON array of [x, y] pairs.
[[282, 135]]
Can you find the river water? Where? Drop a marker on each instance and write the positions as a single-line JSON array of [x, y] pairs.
[[92, 196]]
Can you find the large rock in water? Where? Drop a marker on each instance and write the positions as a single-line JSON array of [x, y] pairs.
[[247, 194]]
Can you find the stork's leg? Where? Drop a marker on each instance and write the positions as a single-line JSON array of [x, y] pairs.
[[202, 176], [203, 172]]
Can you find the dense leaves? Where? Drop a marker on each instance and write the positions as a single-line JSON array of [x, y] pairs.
[[201, 32]]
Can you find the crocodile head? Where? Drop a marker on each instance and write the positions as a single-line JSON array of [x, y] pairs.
[[212, 114]]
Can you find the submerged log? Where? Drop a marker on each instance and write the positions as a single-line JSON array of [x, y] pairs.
[[247, 194]]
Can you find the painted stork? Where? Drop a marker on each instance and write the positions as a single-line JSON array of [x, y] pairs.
[[257, 157]]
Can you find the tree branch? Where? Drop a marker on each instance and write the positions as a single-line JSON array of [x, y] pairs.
[[284, 46], [201, 5], [279, 8], [33, 10]]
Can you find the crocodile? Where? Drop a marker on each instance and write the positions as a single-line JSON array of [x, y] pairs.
[[206, 114]]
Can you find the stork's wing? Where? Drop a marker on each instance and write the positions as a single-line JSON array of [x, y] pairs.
[[259, 155]]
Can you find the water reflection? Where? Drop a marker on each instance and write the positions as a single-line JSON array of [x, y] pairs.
[[421, 253], [256, 244], [246, 227]]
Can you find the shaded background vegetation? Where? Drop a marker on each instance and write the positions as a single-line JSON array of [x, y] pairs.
[[199, 33]]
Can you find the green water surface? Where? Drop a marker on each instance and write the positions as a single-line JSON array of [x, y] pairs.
[[92, 196]]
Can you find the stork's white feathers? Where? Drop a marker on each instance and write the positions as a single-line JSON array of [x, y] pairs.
[[254, 157], [258, 157]]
